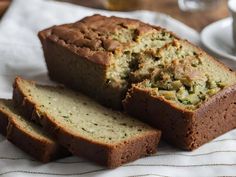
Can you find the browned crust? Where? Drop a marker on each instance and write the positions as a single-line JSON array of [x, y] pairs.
[[3, 122], [41, 150], [111, 24], [103, 154], [185, 129], [90, 74], [101, 58]]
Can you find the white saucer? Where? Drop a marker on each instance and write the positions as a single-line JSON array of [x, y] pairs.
[[217, 37]]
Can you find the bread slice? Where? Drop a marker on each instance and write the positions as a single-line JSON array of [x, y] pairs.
[[28, 136], [98, 53], [86, 128], [189, 96]]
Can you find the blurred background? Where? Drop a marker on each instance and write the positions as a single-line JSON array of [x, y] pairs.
[[195, 13]]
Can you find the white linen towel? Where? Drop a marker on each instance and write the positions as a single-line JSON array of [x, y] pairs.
[[21, 54]]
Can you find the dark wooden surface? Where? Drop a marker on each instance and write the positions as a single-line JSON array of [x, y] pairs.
[[196, 20]]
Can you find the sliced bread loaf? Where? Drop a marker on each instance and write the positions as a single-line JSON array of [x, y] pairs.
[[86, 128], [173, 84], [28, 136]]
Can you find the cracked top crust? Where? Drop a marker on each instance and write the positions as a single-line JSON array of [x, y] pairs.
[[97, 38]]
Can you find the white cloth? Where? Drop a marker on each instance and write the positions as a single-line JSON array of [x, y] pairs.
[[21, 54]]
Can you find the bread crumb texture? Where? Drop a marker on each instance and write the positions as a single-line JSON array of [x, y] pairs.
[[82, 116]]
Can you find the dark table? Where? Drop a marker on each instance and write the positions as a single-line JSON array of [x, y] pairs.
[[196, 20]]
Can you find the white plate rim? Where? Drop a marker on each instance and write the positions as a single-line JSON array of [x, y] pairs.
[[205, 32]]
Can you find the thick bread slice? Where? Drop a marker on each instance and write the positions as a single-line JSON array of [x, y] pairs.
[[86, 128], [189, 96], [26, 135]]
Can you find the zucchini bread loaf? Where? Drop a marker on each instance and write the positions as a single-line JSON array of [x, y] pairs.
[[167, 81], [28, 136], [97, 54], [86, 128]]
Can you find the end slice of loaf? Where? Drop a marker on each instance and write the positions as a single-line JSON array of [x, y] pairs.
[[86, 128], [26, 135]]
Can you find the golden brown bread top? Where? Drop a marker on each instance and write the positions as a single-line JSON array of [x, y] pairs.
[[98, 37]]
